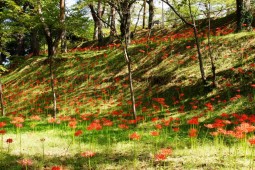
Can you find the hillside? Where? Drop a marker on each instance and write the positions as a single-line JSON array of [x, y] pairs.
[[92, 91]]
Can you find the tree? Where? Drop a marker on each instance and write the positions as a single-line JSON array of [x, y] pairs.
[[52, 39], [243, 14], [193, 26], [144, 12], [113, 30], [151, 13], [123, 7], [97, 16]]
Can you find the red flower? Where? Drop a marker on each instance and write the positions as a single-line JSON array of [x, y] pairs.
[[25, 162], [158, 126], [2, 124], [252, 141], [9, 140], [88, 154], [2, 132], [72, 124], [56, 168], [78, 133], [94, 126], [193, 121], [166, 151], [192, 132], [154, 133], [160, 157], [123, 126], [134, 136]]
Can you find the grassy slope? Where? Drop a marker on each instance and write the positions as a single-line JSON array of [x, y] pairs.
[[95, 82]]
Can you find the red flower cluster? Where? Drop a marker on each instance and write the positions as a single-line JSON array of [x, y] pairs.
[[134, 136], [163, 154], [88, 154]]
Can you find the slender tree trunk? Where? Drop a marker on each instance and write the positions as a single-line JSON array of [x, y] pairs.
[[2, 100], [99, 23], [35, 46], [64, 42], [125, 24], [97, 15], [151, 13], [198, 46], [144, 13], [214, 84], [239, 15], [137, 20], [113, 31], [52, 45], [131, 88], [21, 47], [51, 53]]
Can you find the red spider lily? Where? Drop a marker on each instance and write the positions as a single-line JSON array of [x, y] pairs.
[[154, 133], [209, 106], [9, 140], [88, 154], [132, 121], [159, 100], [72, 124], [123, 126], [225, 115], [214, 133], [56, 168], [154, 119], [25, 162], [51, 120], [17, 120], [35, 117], [94, 126], [166, 151], [160, 157], [158, 126], [163, 153], [134, 136], [252, 140], [107, 123], [192, 132], [176, 129], [193, 121], [245, 128], [19, 125], [78, 133], [2, 124], [209, 126]]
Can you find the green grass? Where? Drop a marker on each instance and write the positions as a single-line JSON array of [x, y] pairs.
[[93, 85]]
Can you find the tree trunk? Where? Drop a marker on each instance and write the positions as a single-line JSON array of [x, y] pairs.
[[64, 42], [98, 33], [125, 23], [239, 15], [99, 23], [131, 88], [144, 13], [151, 13], [113, 31], [214, 84], [2, 100], [21, 47], [51, 53], [52, 45], [198, 46], [193, 26], [138, 18], [35, 46]]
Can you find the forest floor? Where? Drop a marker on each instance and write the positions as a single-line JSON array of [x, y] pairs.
[[181, 124]]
